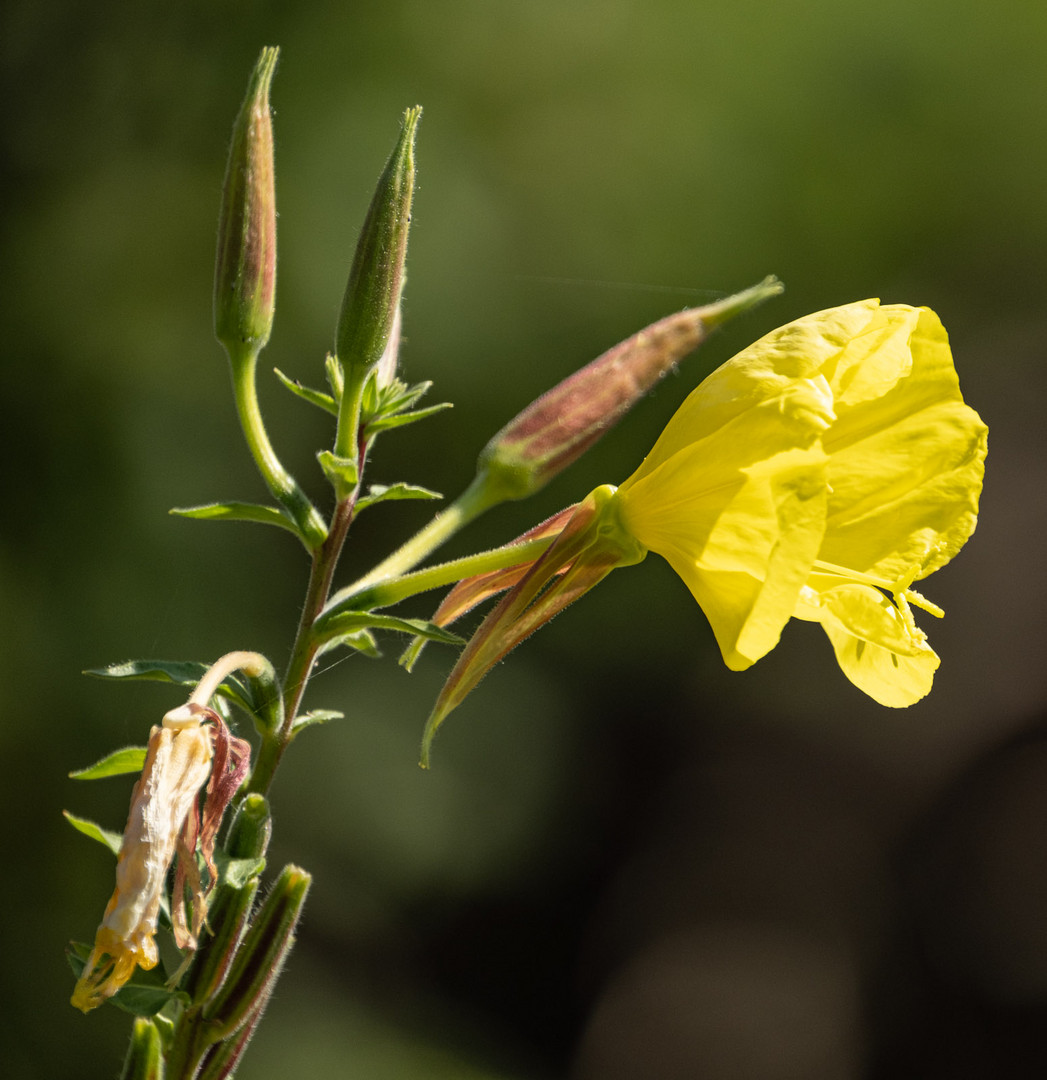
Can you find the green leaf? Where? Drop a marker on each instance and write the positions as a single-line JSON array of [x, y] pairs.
[[409, 657], [361, 641], [389, 410], [108, 839], [347, 622], [418, 627], [182, 672], [341, 471], [397, 396], [128, 760], [335, 376], [384, 423], [237, 872], [314, 717], [377, 493], [314, 397], [240, 511], [142, 1000]]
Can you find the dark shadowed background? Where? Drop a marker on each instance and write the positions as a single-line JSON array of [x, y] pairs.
[[627, 862]]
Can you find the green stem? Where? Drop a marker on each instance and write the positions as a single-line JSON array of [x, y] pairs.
[[304, 649], [187, 1046], [349, 407], [476, 498], [389, 592], [279, 481]]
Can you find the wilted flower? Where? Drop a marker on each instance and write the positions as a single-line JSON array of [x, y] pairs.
[[816, 475], [191, 748]]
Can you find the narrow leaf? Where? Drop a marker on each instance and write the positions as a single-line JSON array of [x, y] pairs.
[[409, 657], [361, 641], [383, 423], [398, 396], [111, 840], [347, 622], [377, 493], [128, 760], [237, 872], [182, 673], [335, 375], [314, 717], [314, 397], [341, 471], [239, 511]]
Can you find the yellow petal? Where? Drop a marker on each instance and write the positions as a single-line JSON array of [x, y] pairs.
[[875, 648], [768, 373], [905, 467], [739, 515]]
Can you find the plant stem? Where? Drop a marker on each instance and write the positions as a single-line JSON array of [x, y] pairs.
[[476, 498], [187, 1047], [388, 592], [304, 649], [280, 482]]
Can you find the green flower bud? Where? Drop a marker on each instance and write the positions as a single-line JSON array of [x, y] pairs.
[[564, 422], [368, 318], [260, 957], [249, 834], [372, 294], [231, 907], [245, 269]]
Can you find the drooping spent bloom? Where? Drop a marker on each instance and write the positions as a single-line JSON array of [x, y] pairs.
[[192, 748], [816, 475]]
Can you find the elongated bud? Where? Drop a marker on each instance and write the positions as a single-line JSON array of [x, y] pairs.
[[249, 834], [245, 269], [372, 294], [145, 1054], [563, 423], [232, 905], [368, 319], [260, 957]]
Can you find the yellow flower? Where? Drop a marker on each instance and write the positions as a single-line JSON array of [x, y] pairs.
[[817, 475]]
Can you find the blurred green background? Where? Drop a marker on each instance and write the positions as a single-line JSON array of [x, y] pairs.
[[627, 861]]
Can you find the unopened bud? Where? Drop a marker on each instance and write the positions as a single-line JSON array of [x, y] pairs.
[[251, 828], [563, 423], [231, 908], [368, 319], [372, 294], [260, 957], [245, 269]]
